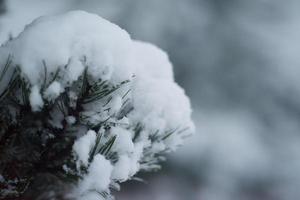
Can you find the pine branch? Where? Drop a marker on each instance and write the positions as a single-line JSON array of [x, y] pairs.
[[30, 135]]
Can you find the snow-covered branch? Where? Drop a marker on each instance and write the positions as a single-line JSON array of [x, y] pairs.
[[84, 104]]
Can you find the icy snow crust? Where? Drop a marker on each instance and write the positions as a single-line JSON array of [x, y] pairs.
[[76, 40]]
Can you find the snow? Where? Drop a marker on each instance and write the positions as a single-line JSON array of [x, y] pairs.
[[35, 98], [128, 164], [72, 42], [152, 61], [115, 105], [74, 70], [136, 157], [82, 147], [160, 103], [122, 168], [158, 146], [19, 13], [123, 143], [53, 91], [98, 177], [93, 196], [81, 40]]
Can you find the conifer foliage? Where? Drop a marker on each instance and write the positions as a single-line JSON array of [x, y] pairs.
[[83, 108]]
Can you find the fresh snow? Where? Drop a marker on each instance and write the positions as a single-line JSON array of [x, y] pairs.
[[53, 91], [75, 41], [122, 169], [123, 143], [98, 177], [83, 146], [35, 98], [115, 105]]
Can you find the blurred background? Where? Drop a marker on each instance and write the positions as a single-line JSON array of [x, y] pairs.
[[239, 61]]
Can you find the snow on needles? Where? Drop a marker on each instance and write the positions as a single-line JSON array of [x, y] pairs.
[[156, 107], [83, 146]]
